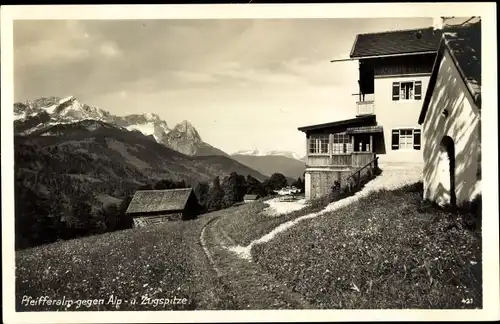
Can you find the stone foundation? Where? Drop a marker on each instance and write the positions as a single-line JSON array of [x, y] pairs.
[[319, 182]]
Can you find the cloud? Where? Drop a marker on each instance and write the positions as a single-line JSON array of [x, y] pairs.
[[108, 49], [49, 42], [189, 77], [228, 72]]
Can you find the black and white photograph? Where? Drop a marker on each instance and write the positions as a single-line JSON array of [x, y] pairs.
[[162, 161]]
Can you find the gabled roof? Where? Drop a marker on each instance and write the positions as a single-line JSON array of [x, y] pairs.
[[147, 201], [464, 46], [358, 121], [423, 40], [250, 197]]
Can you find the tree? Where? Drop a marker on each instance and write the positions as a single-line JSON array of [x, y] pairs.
[[33, 226], [275, 182], [255, 187], [82, 211], [110, 214], [169, 184], [299, 184], [215, 195], [124, 221], [234, 187], [202, 193], [146, 187], [164, 184]]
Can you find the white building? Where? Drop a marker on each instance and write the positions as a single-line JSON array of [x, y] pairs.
[[451, 120], [394, 72]]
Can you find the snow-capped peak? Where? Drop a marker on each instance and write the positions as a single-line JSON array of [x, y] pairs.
[[289, 154], [151, 116], [256, 152], [66, 99]]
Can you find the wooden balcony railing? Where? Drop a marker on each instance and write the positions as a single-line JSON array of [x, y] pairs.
[[355, 159], [355, 178], [365, 107]]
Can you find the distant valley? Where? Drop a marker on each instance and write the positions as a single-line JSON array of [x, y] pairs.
[[67, 152], [267, 163]]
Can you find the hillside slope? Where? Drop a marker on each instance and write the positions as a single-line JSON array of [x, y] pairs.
[[99, 161], [267, 165]]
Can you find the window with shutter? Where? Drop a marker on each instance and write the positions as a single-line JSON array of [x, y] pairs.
[[395, 91], [395, 139], [405, 139], [416, 139], [418, 90]]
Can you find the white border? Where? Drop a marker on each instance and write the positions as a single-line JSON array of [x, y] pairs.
[[487, 11]]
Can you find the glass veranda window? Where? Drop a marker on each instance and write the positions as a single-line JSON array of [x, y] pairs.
[[318, 144], [341, 144]]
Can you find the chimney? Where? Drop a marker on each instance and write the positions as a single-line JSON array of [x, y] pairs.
[[438, 23]]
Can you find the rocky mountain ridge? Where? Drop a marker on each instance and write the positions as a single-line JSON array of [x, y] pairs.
[[43, 113]]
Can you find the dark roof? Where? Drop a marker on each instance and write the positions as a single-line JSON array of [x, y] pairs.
[[464, 46], [147, 201], [365, 129], [396, 42], [358, 121], [250, 197]]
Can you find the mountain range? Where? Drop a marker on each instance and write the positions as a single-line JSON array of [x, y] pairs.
[[278, 162], [256, 152], [66, 152], [45, 112]]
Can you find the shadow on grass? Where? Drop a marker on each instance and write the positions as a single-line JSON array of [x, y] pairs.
[[250, 224], [389, 249]]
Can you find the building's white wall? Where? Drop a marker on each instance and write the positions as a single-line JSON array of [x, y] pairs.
[[463, 126], [397, 114]]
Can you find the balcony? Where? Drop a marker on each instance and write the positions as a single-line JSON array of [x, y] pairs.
[[350, 160], [364, 108]]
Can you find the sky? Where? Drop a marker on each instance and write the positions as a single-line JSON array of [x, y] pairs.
[[243, 83]]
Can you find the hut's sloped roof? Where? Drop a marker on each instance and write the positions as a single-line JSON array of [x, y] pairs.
[[250, 197], [147, 201]]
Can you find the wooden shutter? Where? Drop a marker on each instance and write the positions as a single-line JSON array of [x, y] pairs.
[[418, 90], [395, 90], [395, 139], [416, 139]]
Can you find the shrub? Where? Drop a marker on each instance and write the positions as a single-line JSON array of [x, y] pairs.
[[471, 213]]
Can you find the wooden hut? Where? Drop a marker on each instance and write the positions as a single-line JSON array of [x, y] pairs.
[[250, 198], [155, 206]]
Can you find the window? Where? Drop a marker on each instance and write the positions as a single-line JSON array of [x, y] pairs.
[[341, 144], [408, 90], [406, 139], [319, 144]]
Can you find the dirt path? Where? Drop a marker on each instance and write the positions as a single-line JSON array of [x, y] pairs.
[[392, 177], [254, 287]]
